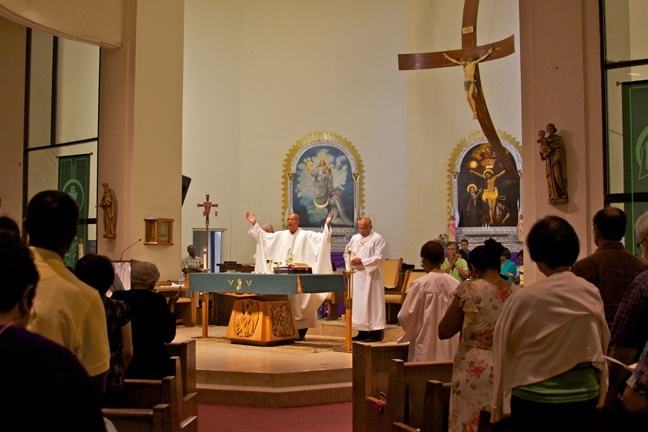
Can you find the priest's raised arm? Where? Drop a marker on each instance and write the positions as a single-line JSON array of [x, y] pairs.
[[295, 245]]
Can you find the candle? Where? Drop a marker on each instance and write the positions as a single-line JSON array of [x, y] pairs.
[[205, 258]]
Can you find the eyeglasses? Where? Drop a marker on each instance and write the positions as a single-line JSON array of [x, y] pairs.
[[640, 244]]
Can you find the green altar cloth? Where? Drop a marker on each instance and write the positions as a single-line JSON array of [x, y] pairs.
[[252, 283]]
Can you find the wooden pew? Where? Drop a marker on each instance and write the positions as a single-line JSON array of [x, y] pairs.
[[145, 394], [405, 396], [149, 405], [156, 419], [505, 425], [436, 407], [371, 364], [186, 350], [187, 404]]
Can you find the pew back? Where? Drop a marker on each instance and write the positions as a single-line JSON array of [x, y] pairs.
[[371, 364], [186, 350], [157, 419], [405, 396], [436, 407]]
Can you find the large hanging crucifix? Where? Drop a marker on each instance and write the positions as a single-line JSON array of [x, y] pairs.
[[469, 56]]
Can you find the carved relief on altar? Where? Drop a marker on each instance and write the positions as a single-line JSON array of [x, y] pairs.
[[485, 199], [247, 318]]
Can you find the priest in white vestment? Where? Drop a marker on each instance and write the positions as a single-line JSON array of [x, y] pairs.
[[364, 255], [295, 245]]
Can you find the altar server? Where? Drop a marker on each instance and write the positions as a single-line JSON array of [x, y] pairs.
[[295, 245]]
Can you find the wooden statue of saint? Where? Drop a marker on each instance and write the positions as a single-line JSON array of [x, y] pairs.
[[552, 152]]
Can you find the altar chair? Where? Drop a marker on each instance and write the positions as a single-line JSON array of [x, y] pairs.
[[394, 300]]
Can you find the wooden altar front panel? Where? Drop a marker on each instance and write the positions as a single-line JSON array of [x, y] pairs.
[[265, 319]]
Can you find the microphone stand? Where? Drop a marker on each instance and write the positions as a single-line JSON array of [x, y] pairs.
[[122, 254]]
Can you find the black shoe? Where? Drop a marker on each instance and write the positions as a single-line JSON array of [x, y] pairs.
[[302, 333], [361, 336], [374, 336]]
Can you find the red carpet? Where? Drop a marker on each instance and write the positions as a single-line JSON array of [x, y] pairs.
[[335, 417]]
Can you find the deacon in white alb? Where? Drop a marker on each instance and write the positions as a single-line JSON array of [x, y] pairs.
[[364, 255]]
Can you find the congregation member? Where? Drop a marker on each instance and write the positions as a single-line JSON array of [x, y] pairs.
[[427, 300], [364, 255], [153, 323], [295, 245], [520, 278], [508, 268], [192, 263], [44, 385], [550, 340], [464, 246], [454, 265], [629, 334], [6, 223], [462, 253], [474, 310], [66, 310], [98, 272], [635, 395], [611, 267]]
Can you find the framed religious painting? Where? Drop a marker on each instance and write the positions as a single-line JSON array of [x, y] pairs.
[[486, 199], [322, 174]]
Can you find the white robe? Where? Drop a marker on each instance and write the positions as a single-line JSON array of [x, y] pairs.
[[427, 301], [309, 247], [368, 285]]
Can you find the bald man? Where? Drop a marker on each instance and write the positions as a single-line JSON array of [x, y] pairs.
[[364, 255], [295, 245]]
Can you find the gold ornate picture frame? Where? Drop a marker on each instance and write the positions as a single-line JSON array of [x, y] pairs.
[[471, 163], [323, 173]]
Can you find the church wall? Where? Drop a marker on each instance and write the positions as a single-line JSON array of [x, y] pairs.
[[12, 84], [140, 130], [301, 67], [93, 21], [561, 84], [211, 132]]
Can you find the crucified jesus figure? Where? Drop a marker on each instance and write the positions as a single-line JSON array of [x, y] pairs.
[[469, 77]]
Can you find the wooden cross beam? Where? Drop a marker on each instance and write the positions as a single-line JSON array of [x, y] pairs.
[[469, 56]]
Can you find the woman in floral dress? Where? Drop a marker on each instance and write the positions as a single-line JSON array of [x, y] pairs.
[[474, 311]]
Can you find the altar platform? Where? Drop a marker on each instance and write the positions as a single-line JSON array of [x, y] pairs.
[[277, 376]]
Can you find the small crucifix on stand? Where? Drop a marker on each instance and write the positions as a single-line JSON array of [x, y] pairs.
[[469, 56], [207, 206]]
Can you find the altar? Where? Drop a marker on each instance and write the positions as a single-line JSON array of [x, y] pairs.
[[261, 314]]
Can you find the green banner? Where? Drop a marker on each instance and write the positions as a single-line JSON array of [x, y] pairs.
[[635, 135], [74, 179]]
